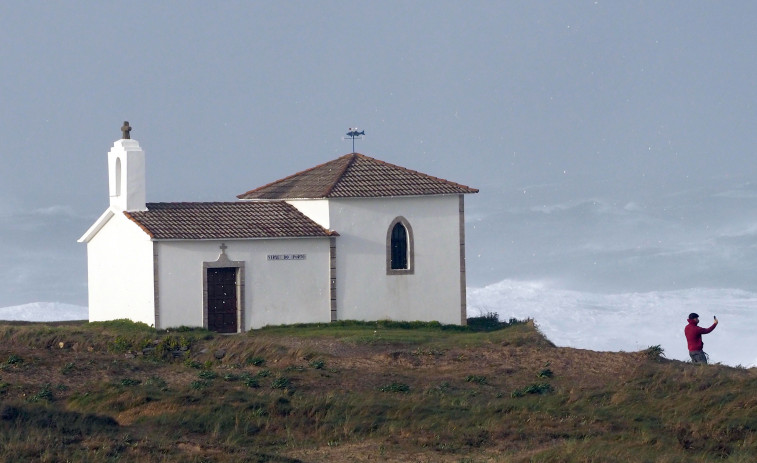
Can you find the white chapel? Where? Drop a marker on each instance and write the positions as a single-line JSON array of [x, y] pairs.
[[354, 238]]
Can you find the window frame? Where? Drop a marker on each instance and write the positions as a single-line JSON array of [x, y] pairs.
[[410, 270]]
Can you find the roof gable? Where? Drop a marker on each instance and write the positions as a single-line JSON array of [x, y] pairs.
[[225, 220], [356, 176], [97, 226]]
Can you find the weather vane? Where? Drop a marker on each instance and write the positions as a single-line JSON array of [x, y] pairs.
[[353, 134]]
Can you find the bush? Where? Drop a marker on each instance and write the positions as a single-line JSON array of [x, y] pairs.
[[130, 382], [257, 361], [476, 379], [536, 388], [67, 368], [281, 382], [490, 322], [250, 381], [395, 387], [207, 374], [193, 364], [120, 344], [655, 353], [125, 326], [487, 322], [44, 394], [317, 364], [199, 384], [172, 343], [158, 382]]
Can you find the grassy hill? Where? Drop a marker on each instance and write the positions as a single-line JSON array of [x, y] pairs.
[[358, 392]]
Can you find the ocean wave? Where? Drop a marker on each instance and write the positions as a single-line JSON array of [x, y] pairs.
[[44, 312], [628, 321]]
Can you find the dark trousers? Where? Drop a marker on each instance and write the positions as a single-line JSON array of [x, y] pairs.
[[698, 356]]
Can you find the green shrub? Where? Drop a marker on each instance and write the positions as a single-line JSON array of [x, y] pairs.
[[185, 329], [172, 343], [317, 364], [158, 382], [487, 322], [199, 384], [535, 388], [257, 361], [395, 387], [490, 322], [124, 325], [14, 359], [44, 394], [655, 353], [120, 344], [249, 381], [476, 379], [207, 374], [193, 364], [130, 382], [281, 382]]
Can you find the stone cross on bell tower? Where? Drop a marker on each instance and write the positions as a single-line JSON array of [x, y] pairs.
[[125, 129]]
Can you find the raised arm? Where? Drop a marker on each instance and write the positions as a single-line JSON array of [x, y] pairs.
[[707, 330]]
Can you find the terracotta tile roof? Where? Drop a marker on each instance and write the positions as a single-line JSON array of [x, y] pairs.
[[356, 176], [225, 220]]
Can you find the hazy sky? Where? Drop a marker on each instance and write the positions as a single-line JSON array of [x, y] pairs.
[[626, 116]]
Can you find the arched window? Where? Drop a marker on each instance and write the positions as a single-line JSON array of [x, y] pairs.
[[399, 247], [399, 244]]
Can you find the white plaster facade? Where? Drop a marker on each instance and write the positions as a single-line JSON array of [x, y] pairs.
[[342, 270], [160, 283], [270, 297], [434, 287], [120, 270], [126, 176]]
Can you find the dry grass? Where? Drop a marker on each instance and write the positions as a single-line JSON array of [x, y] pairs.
[[448, 396]]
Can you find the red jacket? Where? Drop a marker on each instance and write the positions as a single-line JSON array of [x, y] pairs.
[[694, 334]]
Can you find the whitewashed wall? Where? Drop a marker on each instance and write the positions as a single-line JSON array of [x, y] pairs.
[[316, 209], [126, 178], [365, 291], [120, 268], [276, 292]]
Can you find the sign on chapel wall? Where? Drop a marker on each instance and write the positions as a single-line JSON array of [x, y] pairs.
[[287, 256]]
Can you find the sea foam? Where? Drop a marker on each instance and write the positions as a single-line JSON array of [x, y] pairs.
[[629, 321]]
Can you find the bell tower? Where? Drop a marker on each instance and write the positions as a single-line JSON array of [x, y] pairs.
[[126, 173]]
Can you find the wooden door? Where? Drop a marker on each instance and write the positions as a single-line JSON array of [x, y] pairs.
[[222, 299]]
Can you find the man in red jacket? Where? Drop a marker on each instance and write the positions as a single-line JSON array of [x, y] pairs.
[[694, 338]]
